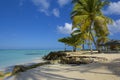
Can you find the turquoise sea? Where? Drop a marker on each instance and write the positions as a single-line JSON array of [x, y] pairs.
[[13, 57]]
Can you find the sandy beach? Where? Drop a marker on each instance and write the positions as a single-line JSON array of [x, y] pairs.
[[60, 40], [105, 70]]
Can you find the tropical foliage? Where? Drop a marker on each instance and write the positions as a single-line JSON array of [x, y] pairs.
[[88, 16], [72, 41], [91, 23]]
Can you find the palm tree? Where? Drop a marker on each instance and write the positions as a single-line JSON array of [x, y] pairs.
[[75, 42], [72, 41], [88, 14], [100, 41], [83, 36], [63, 40]]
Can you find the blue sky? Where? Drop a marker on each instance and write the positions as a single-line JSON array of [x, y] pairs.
[[38, 24]]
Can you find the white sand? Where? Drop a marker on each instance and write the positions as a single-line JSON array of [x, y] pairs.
[[109, 70]]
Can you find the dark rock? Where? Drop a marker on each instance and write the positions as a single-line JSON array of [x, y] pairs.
[[18, 68], [55, 55], [22, 68]]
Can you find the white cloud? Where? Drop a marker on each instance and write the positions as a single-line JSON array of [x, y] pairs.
[[113, 8], [66, 29], [56, 12], [115, 28], [43, 5], [63, 2]]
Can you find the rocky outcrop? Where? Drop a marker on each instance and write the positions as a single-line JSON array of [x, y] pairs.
[[55, 56], [22, 68], [19, 68], [63, 58]]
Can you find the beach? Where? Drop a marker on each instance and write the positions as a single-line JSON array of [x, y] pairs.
[[104, 70], [60, 40]]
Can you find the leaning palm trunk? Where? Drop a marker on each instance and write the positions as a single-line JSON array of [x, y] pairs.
[[83, 47], [65, 48], [94, 41], [91, 47], [90, 43], [93, 36], [74, 49]]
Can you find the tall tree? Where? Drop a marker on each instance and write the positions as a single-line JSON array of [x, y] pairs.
[[88, 14]]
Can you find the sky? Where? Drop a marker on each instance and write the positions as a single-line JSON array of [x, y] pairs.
[[38, 24]]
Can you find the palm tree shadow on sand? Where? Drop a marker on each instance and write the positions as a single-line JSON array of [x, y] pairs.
[[114, 66], [42, 73], [36, 74]]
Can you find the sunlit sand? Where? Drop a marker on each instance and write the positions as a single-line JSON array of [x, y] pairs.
[[105, 70]]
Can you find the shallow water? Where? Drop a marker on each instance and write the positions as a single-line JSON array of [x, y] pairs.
[[13, 57]]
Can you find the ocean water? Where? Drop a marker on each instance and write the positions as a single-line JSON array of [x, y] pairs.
[[14, 57]]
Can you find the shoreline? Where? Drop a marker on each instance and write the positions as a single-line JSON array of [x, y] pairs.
[[27, 63], [109, 70], [20, 56]]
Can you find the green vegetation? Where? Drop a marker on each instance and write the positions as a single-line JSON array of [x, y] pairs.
[[88, 14], [1, 74], [72, 41], [90, 22]]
